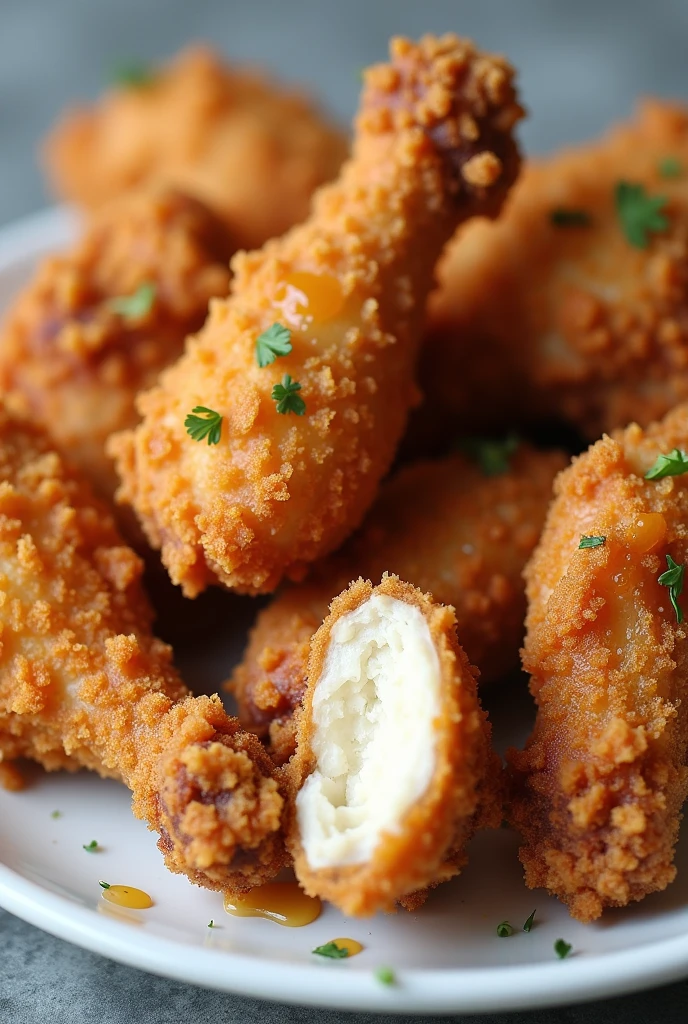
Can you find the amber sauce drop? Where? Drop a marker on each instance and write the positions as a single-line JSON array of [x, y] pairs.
[[307, 299], [627, 575], [127, 896], [646, 532], [282, 902], [351, 945]]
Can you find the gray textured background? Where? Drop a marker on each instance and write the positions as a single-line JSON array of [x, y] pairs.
[[581, 63]]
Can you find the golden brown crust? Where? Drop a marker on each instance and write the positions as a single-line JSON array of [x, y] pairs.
[[443, 526], [570, 321], [84, 683], [280, 491], [429, 848], [69, 362], [253, 151], [599, 788]]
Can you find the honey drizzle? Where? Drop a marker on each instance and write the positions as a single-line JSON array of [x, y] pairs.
[[352, 946], [127, 896], [306, 300], [282, 902]]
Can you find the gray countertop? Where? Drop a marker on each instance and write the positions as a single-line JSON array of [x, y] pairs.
[[581, 64]]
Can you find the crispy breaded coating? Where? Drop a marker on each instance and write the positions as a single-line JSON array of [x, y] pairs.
[[426, 844], [84, 683], [568, 319], [251, 150], [599, 788], [433, 146], [70, 361], [453, 532]]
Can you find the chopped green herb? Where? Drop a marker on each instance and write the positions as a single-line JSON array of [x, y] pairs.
[[528, 926], [211, 923], [504, 930], [385, 975], [133, 75], [673, 579], [562, 949], [56, 814], [591, 542], [563, 218], [274, 342], [208, 425], [332, 950], [492, 456], [91, 847], [639, 213], [285, 394], [673, 464], [670, 167], [136, 305], [102, 884]]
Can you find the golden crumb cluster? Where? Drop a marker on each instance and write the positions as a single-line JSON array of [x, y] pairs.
[[72, 358], [252, 151]]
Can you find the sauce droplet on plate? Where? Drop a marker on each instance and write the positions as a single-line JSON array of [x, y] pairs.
[[350, 945], [282, 902], [127, 896]]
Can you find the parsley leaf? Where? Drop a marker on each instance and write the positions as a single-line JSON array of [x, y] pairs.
[[564, 218], [591, 542], [504, 930], [673, 579], [639, 213], [529, 923], [102, 884], [133, 75], [91, 847], [211, 923], [492, 456], [673, 464], [208, 425], [285, 394], [136, 305], [562, 949], [332, 950], [274, 342], [56, 814], [670, 167], [386, 975]]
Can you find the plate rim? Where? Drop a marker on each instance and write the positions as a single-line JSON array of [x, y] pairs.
[[464, 990], [425, 991]]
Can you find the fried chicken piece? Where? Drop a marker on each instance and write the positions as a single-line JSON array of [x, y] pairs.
[[453, 532], [83, 683], [367, 825], [70, 361], [567, 318], [433, 146], [251, 150], [599, 788]]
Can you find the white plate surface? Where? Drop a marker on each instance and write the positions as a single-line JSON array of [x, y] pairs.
[[447, 957]]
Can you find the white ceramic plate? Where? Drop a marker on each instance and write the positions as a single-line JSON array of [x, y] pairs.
[[447, 957]]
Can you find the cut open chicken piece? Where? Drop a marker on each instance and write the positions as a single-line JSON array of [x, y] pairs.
[[393, 770]]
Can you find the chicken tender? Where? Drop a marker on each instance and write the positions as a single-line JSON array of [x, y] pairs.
[[453, 532], [250, 149], [599, 788], [98, 323], [554, 309], [366, 824], [83, 683], [304, 441]]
